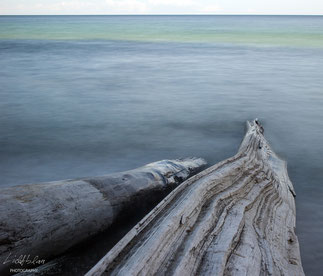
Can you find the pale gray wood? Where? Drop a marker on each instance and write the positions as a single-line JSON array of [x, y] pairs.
[[47, 219], [235, 218]]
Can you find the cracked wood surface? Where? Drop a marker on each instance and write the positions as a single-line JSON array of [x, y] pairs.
[[235, 218], [47, 219]]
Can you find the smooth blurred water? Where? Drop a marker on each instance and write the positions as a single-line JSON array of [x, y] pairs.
[[90, 95]]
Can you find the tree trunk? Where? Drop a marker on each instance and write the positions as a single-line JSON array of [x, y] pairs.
[[235, 218], [44, 220]]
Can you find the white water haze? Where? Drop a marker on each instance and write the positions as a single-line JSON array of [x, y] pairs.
[[90, 95]]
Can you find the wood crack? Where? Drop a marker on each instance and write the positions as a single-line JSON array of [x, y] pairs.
[[235, 218]]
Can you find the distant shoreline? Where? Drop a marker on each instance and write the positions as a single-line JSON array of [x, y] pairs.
[[255, 15]]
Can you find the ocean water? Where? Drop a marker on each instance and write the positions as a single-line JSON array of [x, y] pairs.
[[90, 95]]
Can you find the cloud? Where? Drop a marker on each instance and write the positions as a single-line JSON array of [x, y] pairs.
[[58, 7], [181, 7], [210, 9], [151, 6], [174, 3], [160, 7], [126, 6], [107, 7], [111, 7]]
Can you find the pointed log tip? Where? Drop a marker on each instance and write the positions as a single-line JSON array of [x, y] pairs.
[[236, 217]]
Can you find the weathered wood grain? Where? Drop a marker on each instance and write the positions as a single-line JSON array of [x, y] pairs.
[[235, 218], [47, 219]]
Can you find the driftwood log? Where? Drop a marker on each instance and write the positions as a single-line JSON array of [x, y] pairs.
[[40, 221], [235, 218]]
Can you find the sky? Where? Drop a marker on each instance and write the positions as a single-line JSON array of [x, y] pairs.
[[306, 7]]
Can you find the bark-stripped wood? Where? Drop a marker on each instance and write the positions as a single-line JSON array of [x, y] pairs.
[[235, 218], [47, 219]]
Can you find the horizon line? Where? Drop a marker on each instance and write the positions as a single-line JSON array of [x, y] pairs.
[[197, 14]]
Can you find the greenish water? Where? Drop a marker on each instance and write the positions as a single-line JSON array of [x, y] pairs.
[[90, 95], [272, 30]]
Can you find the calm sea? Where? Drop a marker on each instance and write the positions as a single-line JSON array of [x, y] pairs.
[[91, 95]]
